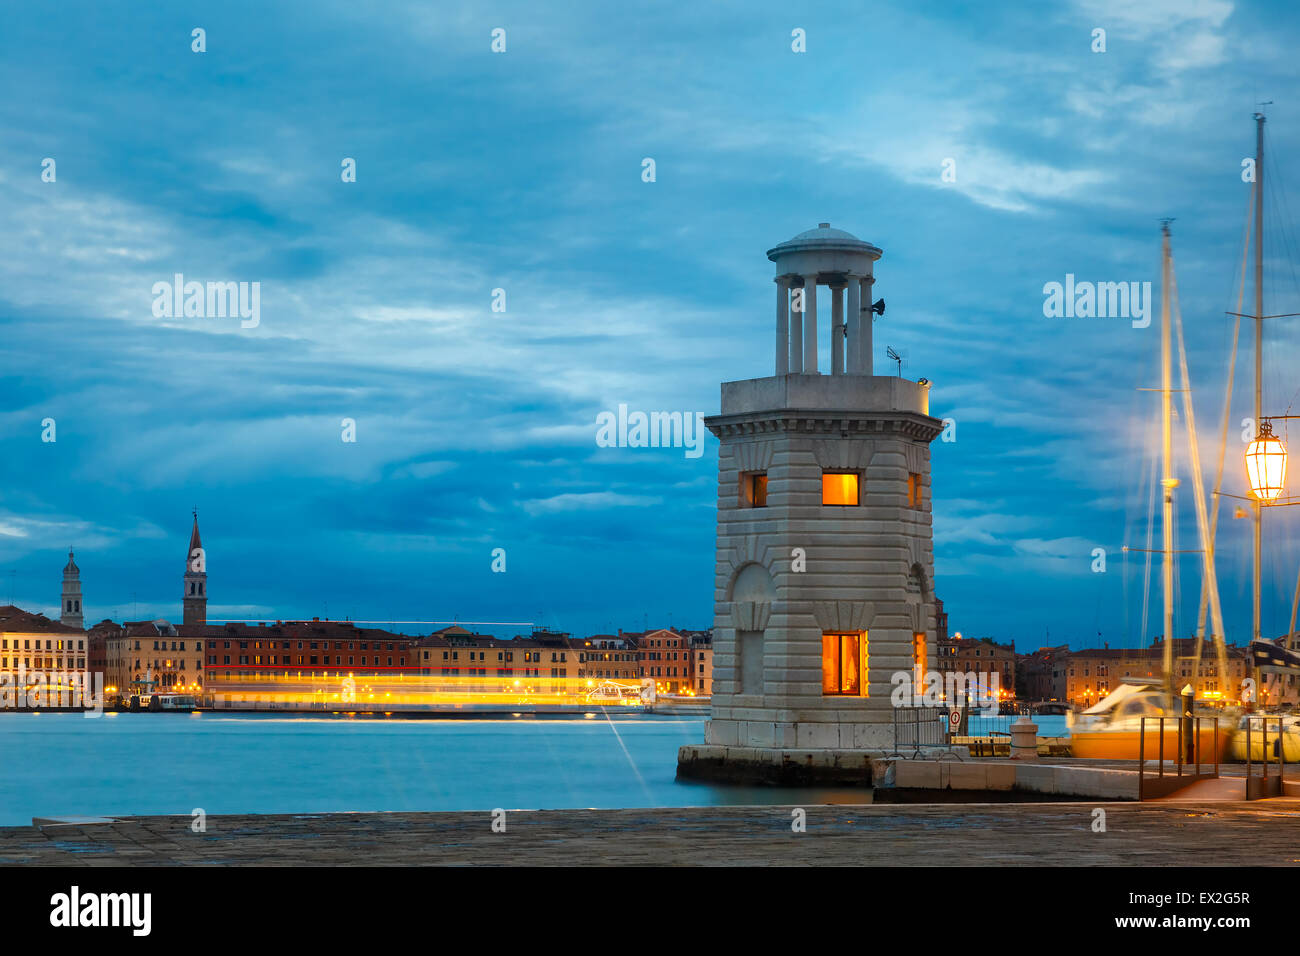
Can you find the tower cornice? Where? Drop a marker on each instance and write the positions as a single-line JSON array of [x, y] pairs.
[[855, 424]]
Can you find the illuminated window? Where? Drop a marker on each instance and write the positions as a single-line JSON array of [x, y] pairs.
[[753, 489], [844, 665], [918, 657], [839, 488], [913, 490]]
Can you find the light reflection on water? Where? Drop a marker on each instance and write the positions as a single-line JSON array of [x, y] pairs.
[[66, 764]]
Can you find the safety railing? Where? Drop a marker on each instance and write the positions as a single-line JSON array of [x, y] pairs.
[[918, 727], [1188, 757], [1263, 784]]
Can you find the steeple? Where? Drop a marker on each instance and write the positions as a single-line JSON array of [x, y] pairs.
[[195, 601], [70, 607]]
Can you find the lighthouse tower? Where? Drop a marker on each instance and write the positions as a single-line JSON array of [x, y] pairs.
[[824, 575]]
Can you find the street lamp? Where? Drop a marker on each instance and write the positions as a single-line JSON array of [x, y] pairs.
[[1266, 464]]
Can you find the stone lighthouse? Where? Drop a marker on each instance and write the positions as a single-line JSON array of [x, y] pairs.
[[823, 584]]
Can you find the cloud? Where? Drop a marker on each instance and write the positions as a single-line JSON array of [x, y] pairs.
[[522, 172]]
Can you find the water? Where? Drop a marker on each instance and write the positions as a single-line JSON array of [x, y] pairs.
[[1049, 725], [117, 764]]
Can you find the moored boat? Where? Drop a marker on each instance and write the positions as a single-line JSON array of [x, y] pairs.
[[1262, 739], [1112, 728]]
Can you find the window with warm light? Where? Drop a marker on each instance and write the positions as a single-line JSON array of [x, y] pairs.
[[918, 658], [844, 665], [753, 489], [839, 488], [914, 490]]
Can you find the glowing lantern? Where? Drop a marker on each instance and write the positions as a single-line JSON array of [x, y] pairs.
[[1266, 464]]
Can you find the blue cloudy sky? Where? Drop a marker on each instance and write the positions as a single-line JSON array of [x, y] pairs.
[[522, 171]]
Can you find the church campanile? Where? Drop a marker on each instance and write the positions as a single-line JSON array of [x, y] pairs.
[[196, 580], [70, 608]]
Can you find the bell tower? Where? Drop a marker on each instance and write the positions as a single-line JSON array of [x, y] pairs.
[[70, 608], [195, 603], [824, 558]]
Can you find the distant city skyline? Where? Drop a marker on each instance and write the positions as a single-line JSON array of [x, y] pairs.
[[501, 274]]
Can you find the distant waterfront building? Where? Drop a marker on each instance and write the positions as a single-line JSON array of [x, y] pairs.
[[71, 601], [981, 657], [1083, 677], [151, 657], [97, 648], [1092, 673], [545, 662], [559, 658], [107, 658], [195, 603], [246, 653], [609, 657], [664, 656], [38, 649], [1041, 676], [701, 643], [824, 582]]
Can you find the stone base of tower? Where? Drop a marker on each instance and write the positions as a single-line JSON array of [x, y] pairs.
[[847, 735], [778, 768], [794, 767]]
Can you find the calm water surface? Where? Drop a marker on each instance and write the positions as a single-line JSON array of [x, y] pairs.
[[60, 764]]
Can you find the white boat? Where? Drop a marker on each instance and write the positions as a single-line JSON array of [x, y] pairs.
[[1112, 727], [1263, 745], [612, 692]]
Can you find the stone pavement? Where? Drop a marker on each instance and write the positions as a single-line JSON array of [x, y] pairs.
[[1158, 834]]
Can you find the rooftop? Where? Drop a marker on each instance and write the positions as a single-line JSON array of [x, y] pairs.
[[14, 620], [824, 239]]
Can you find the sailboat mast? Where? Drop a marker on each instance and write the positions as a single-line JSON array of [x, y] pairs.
[[1256, 505], [1167, 481]]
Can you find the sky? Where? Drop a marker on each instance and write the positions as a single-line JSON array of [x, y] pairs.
[[523, 171]]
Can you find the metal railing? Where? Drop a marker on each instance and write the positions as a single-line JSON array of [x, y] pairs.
[[1188, 756], [917, 727], [1263, 785]]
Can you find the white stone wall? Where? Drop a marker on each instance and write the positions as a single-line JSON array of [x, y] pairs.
[[858, 558]]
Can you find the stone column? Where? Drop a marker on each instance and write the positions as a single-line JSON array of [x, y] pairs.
[[854, 309], [782, 325], [837, 328], [810, 325], [796, 337], [864, 340]]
